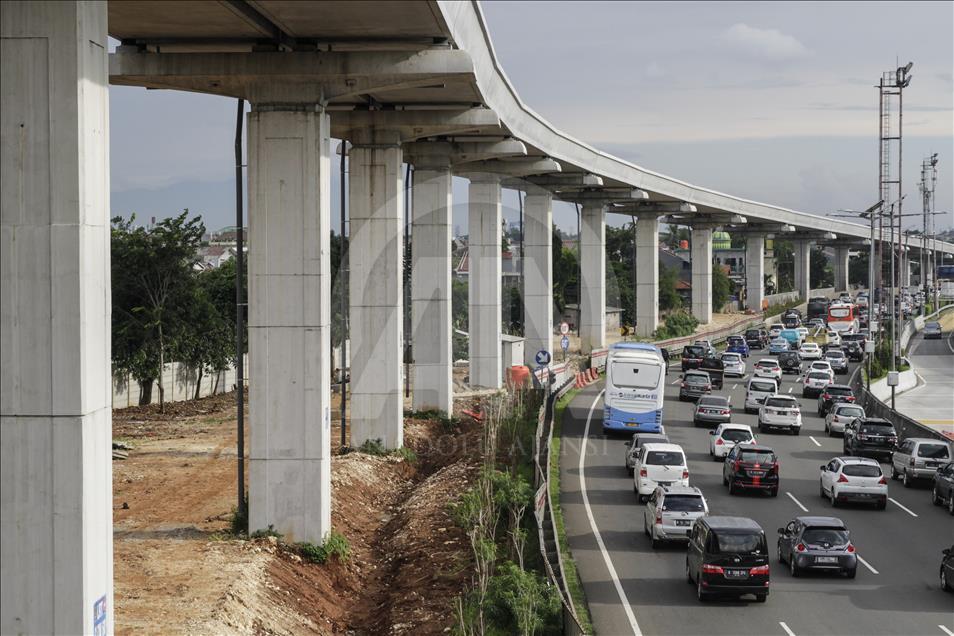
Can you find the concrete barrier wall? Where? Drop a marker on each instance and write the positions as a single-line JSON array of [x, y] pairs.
[[179, 382]]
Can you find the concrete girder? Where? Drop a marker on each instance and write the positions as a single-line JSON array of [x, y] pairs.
[[568, 181], [465, 152], [513, 168], [606, 196], [654, 209], [319, 77], [413, 124]]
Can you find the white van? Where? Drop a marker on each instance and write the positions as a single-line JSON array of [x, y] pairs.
[[659, 465], [756, 391]]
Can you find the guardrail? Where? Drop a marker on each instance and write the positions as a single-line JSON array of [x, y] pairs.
[[546, 525]]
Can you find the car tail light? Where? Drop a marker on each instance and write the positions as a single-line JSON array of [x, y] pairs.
[[685, 474], [800, 547], [774, 468], [719, 442], [712, 569], [883, 481], [737, 465], [826, 396], [850, 549], [683, 385], [642, 472], [775, 369], [724, 411], [850, 398], [759, 569], [842, 479], [658, 518]]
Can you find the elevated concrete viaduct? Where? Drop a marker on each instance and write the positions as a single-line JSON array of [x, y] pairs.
[[403, 82]]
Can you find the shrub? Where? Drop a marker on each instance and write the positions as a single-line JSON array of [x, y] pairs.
[[335, 545], [407, 454], [267, 532], [677, 324], [373, 447], [238, 524], [520, 601]]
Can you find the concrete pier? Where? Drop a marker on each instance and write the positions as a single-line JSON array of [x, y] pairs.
[[538, 274], [802, 253], [754, 271], [647, 275], [593, 277], [702, 274], [484, 287]]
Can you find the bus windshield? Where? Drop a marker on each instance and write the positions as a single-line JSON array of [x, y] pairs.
[[634, 375]]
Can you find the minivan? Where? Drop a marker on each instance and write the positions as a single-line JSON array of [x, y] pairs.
[[728, 555], [919, 458], [793, 336], [659, 465], [756, 391]]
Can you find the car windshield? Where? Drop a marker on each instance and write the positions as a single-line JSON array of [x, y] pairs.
[[683, 503], [877, 429], [780, 402], [693, 351], [839, 390], [862, 470], [635, 375], [757, 456], [933, 451], [697, 379], [762, 387], [850, 411], [665, 458], [736, 435], [831, 536], [735, 339], [818, 375], [738, 543]]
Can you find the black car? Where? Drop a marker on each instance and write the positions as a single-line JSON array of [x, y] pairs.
[[947, 569], [728, 555], [753, 338], [817, 543], [870, 436], [943, 491], [692, 356], [790, 362], [817, 307], [791, 321], [834, 394], [751, 467], [694, 385], [715, 367], [855, 351]]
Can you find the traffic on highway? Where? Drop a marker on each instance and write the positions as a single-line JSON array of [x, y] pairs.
[[770, 505]]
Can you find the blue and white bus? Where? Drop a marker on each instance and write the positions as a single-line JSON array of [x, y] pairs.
[[635, 383]]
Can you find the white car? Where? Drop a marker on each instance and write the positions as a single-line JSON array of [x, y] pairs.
[[780, 411], [823, 365], [854, 479], [734, 364], [659, 465], [839, 415], [810, 351], [802, 333], [768, 368], [726, 436], [814, 383], [671, 511], [775, 330], [757, 391], [834, 338]]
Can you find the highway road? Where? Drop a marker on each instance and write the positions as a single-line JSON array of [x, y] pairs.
[[932, 401], [633, 589]]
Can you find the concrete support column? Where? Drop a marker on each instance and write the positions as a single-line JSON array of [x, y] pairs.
[[56, 529], [702, 274], [593, 277], [754, 272], [289, 172], [841, 268], [431, 284], [905, 269], [802, 253], [484, 287], [538, 274], [647, 275], [376, 197]]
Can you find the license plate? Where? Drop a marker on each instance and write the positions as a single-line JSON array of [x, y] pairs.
[[736, 574], [631, 424], [664, 483], [757, 473], [824, 559], [682, 522], [932, 464]]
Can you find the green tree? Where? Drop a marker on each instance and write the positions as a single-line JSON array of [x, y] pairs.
[[822, 273], [785, 264], [566, 274], [153, 287], [207, 342], [721, 287], [669, 298]]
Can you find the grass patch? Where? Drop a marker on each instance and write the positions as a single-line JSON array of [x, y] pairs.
[[376, 447], [270, 531], [573, 583], [334, 546], [434, 415]]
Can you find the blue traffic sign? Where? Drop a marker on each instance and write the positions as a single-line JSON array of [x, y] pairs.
[[565, 343], [542, 357]]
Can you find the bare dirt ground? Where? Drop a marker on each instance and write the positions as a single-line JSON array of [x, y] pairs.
[[178, 570]]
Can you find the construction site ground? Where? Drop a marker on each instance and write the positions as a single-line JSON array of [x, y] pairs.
[[178, 569]]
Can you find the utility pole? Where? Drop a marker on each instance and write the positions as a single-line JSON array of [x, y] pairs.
[[926, 185], [240, 314]]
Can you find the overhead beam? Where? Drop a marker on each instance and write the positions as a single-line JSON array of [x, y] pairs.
[[415, 124], [516, 168]]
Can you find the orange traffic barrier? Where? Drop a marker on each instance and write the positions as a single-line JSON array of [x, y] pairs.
[[518, 376]]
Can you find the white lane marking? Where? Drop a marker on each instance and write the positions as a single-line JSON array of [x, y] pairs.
[[735, 386], [787, 630], [866, 564], [902, 507], [797, 502], [675, 382], [596, 532], [790, 389], [814, 440], [946, 630]]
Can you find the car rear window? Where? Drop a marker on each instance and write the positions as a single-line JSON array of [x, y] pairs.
[[692, 351], [696, 379], [836, 353], [683, 503], [765, 364], [862, 470], [714, 400], [839, 390], [933, 451], [818, 375], [752, 333], [780, 402], [757, 456], [877, 429], [739, 543], [762, 387], [850, 411], [736, 435], [831, 536], [652, 439], [731, 357], [665, 458]]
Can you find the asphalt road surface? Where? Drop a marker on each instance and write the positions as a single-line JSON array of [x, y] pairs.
[[932, 401], [633, 589]]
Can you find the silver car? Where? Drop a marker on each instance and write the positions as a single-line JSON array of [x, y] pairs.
[[838, 360], [633, 446], [671, 511], [712, 409], [839, 415], [919, 458], [734, 365]]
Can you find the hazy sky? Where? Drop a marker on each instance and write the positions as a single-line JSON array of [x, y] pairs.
[[770, 101]]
